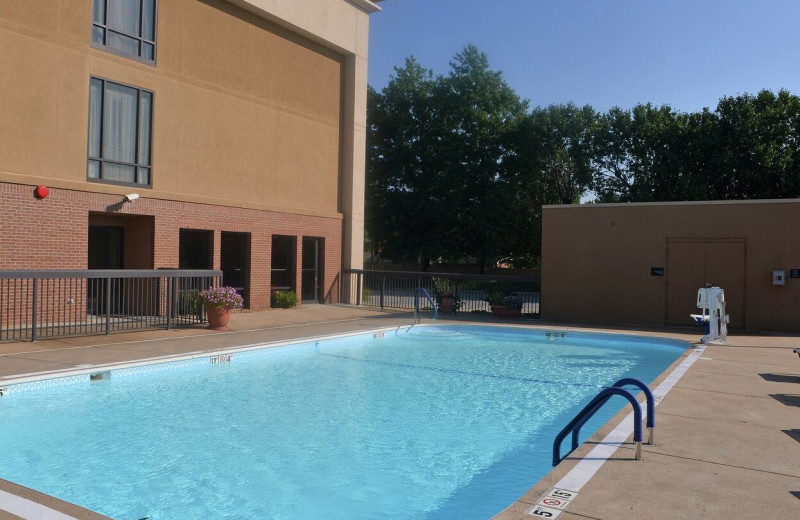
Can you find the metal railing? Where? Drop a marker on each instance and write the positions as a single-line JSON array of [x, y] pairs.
[[596, 403], [395, 289], [48, 304], [416, 303]]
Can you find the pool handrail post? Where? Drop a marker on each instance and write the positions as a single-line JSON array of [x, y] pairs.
[[651, 410], [590, 409], [650, 401], [416, 303]]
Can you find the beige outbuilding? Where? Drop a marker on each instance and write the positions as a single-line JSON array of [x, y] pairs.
[[642, 263]]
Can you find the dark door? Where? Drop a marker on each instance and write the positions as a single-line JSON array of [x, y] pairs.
[[106, 251], [283, 262], [195, 249], [106, 247], [235, 263], [312, 277]]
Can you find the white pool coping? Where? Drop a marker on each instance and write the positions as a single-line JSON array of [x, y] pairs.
[[574, 480], [80, 370], [578, 476], [28, 509]]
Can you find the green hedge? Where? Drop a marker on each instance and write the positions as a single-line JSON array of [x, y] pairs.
[[284, 299]]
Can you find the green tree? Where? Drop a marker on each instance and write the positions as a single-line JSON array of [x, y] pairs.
[[402, 210], [551, 164], [628, 147], [479, 114], [438, 152], [759, 142]]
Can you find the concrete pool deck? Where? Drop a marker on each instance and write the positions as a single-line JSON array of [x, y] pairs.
[[727, 434]]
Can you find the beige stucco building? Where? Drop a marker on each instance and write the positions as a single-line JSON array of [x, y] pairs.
[[642, 264], [240, 124]]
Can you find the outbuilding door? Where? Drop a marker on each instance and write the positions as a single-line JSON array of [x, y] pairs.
[[693, 262]]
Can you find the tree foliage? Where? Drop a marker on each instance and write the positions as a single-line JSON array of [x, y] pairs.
[[437, 159], [459, 167]]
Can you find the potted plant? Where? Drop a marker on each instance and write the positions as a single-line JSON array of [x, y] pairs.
[[218, 302], [447, 300], [505, 304]]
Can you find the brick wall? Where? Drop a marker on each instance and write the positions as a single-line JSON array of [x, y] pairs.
[[53, 233]]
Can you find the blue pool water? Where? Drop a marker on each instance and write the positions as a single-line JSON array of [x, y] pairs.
[[436, 423]]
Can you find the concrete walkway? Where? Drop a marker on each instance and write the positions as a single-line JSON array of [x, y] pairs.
[[727, 445], [728, 433]]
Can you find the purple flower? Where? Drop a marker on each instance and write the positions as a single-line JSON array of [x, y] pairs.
[[222, 298]]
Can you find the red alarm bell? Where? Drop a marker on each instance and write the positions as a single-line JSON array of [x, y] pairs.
[[41, 192]]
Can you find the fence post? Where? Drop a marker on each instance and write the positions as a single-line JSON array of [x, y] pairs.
[[383, 284], [170, 291], [108, 305], [34, 309]]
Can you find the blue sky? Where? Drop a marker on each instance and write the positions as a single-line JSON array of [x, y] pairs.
[[605, 53]]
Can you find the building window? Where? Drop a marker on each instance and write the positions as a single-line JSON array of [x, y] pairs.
[[126, 27], [120, 129]]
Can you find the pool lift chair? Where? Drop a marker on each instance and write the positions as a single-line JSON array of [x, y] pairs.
[[711, 301]]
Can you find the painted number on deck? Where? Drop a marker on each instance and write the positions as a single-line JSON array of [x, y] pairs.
[[543, 512], [563, 494]]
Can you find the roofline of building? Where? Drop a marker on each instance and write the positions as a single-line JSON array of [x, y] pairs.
[[366, 5], [348, 36], [678, 203]]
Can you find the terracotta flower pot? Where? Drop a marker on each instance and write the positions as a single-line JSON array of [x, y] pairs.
[[218, 318], [447, 306], [503, 311]]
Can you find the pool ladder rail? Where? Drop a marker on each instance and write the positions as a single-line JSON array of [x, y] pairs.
[[417, 292], [597, 402]]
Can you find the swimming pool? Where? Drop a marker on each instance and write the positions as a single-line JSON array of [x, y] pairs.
[[424, 423]]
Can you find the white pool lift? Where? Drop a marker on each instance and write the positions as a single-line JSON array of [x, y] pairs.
[[711, 300]]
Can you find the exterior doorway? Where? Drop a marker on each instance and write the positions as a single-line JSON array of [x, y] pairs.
[[120, 242], [693, 262], [235, 263], [312, 276], [284, 252], [106, 251]]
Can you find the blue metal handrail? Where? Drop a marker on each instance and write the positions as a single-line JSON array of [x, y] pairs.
[[651, 410], [590, 409], [416, 303]]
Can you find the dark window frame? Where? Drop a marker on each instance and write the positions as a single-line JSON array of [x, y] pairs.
[[103, 25], [100, 159]]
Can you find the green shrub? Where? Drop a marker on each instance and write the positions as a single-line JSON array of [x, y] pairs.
[[284, 299]]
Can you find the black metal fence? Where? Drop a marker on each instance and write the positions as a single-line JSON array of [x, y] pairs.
[[395, 289], [48, 304]]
